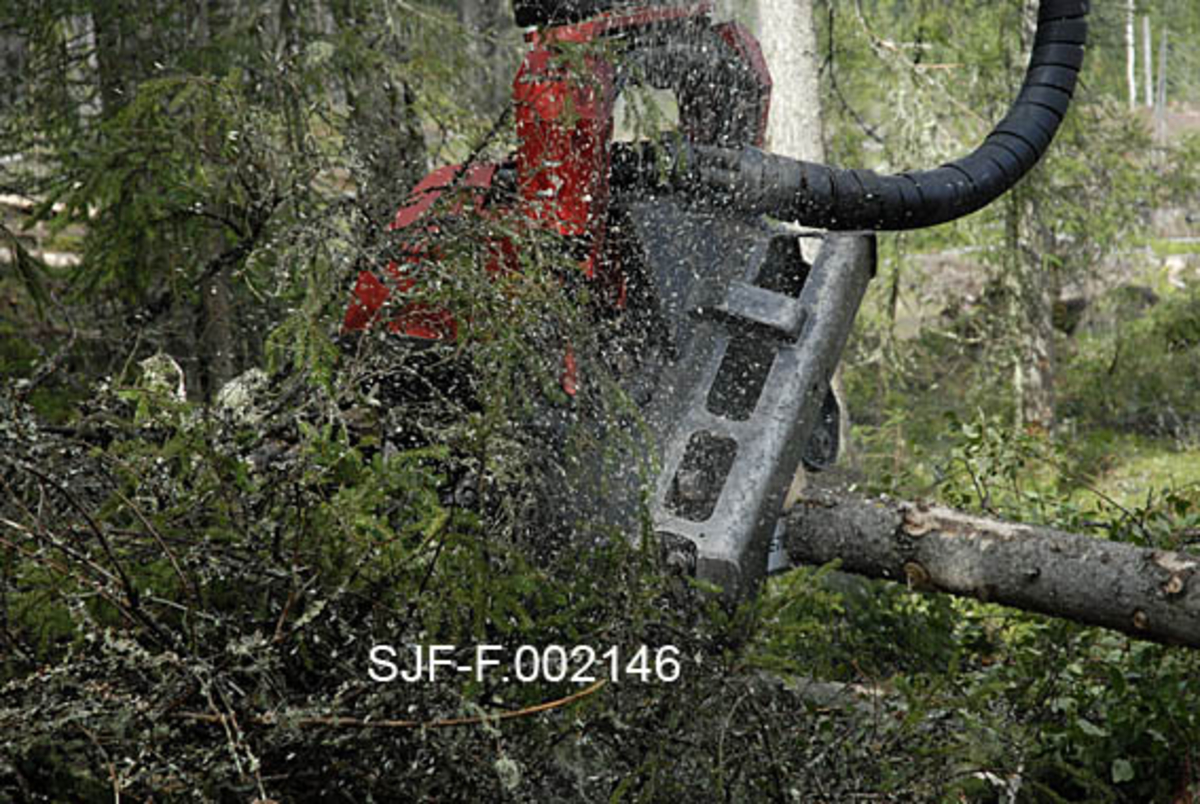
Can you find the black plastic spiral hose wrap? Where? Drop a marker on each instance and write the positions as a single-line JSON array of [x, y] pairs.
[[848, 200]]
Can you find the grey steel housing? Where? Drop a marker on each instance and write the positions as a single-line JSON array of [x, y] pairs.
[[713, 276]]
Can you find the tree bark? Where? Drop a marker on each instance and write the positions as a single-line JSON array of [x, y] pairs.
[[12, 63], [116, 53], [1131, 52], [788, 35], [1160, 103], [1033, 287], [491, 43], [383, 129], [1148, 62], [789, 43], [1146, 593], [218, 354]]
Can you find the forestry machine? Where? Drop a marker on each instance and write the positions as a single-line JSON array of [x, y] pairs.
[[694, 237]]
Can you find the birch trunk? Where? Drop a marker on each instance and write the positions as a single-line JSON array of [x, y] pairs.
[[1148, 61], [787, 33], [789, 44], [1131, 51]]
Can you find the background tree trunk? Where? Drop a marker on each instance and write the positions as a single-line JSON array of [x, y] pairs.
[[1034, 291], [789, 43], [1148, 60], [387, 140], [12, 63], [115, 53], [1160, 92], [788, 35], [490, 36], [217, 321], [1131, 51], [1033, 310]]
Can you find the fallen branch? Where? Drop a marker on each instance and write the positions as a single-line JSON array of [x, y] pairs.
[[335, 721], [1146, 593]]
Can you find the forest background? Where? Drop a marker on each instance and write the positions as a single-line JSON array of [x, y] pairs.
[[193, 557]]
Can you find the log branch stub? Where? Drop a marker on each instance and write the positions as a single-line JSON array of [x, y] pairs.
[[1147, 593]]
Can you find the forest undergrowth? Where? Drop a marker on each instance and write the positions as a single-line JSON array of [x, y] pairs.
[[214, 502]]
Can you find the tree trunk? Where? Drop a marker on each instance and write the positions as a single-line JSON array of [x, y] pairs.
[[1146, 593], [1032, 284], [1148, 61], [1160, 103], [386, 137], [489, 29], [1033, 287], [789, 43], [12, 63], [1131, 52], [1035, 365], [218, 353], [788, 35], [116, 58]]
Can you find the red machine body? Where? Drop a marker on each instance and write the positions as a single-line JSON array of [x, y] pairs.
[[726, 335], [564, 123], [719, 337]]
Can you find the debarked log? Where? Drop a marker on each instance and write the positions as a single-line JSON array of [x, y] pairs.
[[1147, 593]]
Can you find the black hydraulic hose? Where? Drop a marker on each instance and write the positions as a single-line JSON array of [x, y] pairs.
[[847, 200]]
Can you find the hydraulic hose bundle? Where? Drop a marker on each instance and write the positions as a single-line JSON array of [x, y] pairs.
[[845, 200]]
